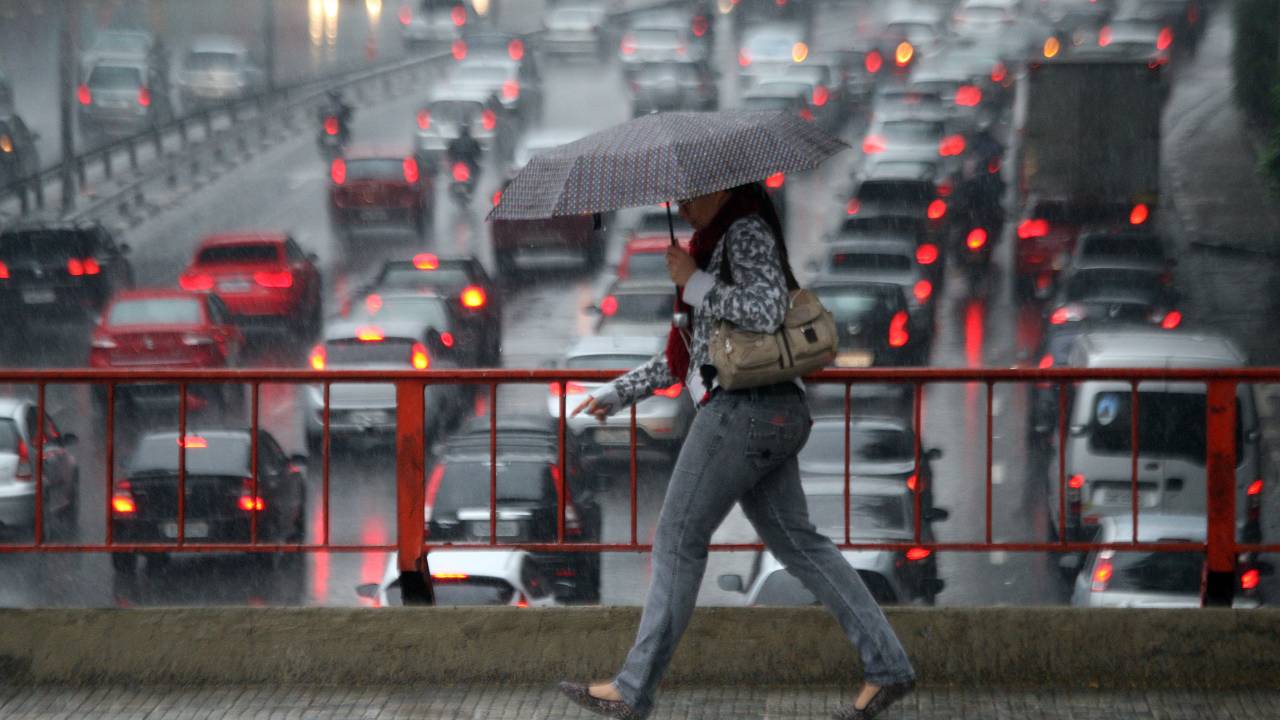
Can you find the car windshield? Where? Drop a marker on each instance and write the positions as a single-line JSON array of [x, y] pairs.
[[642, 307], [1170, 424], [472, 591], [352, 352], [407, 276], [871, 261], [156, 311], [376, 169], [211, 61], [40, 245], [1104, 283], [465, 484], [912, 130], [107, 77], [1178, 573], [207, 453], [247, 253], [866, 445], [425, 311], [867, 513], [605, 362], [1122, 246], [9, 437]]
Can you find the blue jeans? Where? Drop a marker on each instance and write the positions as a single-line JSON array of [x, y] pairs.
[[743, 449]]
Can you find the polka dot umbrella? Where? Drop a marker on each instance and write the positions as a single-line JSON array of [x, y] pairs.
[[661, 157]]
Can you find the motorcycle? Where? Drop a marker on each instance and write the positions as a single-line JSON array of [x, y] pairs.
[[463, 185], [980, 233], [334, 135]]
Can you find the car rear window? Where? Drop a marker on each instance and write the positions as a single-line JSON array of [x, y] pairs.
[[207, 454], [115, 76], [848, 304], [871, 261], [1101, 283], [866, 445], [465, 484], [911, 130], [866, 513], [605, 362], [407, 276], [480, 74], [211, 61], [428, 311], [9, 436], [647, 265], [1170, 424], [643, 307], [376, 169], [454, 112], [247, 253], [156, 311], [44, 245], [770, 103], [1122, 246], [916, 191], [1157, 572], [352, 352], [472, 591]]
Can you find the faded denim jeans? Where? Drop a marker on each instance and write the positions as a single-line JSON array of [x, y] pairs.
[[742, 448]]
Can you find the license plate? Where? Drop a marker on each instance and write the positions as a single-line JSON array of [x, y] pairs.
[[853, 359], [194, 529], [506, 529], [370, 418], [613, 437], [238, 285], [42, 296], [1125, 497], [373, 215]]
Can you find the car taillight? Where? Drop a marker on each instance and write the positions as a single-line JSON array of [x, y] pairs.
[[373, 303], [410, 167], [968, 95], [497, 197], [820, 95], [1028, 229], [852, 207], [1139, 214], [488, 119], [459, 15], [1076, 482], [951, 145], [4, 271], [943, 188], [1255, 489], [671, 391], [318, 357], [446, 339], [331, 125], [937, 209], [84, 95], [370, 334], [338, 171], [799, 52], [1249, 579], [976, 238], [424, 119], [898, 335], [1051, 47], [419, 357], [873, 62], [459, 49], [1171, 320], [570, 388], [1103, 571], [521, 600], [426, 261], [609, 305], [1104, 36], [744, 58], [913, 482], [873, 144], [196, 281], [999, 73], [144, 97], [433, 488], [1164, 39], [1046, 362], [274, 278], [903, 53], [922, 290], [473, 297], [515, 49], [510, 90], [775, 181], [927, 253], [700, 25], [23, 471], [1066, 314], [248, 502], [123, 505], [917, 554], [461, 173]]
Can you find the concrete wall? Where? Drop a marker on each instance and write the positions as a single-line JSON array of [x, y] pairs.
[[1041, 647]]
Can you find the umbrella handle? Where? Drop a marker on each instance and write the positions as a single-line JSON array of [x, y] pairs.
[[671, 226]]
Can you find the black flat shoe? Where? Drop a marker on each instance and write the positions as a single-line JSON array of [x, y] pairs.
[[581, 694], [884, 697]]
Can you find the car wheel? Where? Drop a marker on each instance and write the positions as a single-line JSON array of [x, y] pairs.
[[124, 563]]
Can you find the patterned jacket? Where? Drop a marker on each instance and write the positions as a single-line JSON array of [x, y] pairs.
[[756, 301]]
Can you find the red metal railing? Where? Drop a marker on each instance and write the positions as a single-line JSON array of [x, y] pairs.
[[1221, 547]]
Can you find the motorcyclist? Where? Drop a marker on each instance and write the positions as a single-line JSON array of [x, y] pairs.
[[982, 188], [336, 106], [465, 149]]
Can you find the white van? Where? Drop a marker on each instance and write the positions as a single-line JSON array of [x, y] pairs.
[[1171, 432]]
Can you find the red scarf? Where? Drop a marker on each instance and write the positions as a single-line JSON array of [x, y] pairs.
[[703, 245]]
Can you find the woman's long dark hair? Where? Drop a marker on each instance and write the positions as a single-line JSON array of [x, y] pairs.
[[757, 195]]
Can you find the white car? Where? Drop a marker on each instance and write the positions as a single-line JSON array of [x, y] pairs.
[[61, 479], [471, 577], [218, 69]]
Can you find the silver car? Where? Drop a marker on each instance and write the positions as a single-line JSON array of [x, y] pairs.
[[60, 479], [471, 577], [662, 420], [574, 30], [1112, 578], [635, 308], [218, 69]]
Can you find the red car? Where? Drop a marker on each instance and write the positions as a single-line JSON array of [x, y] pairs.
[[169, 329], [264, 279], [379, 191], [645, 256]]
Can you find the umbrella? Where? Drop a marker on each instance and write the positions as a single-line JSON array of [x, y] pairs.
[[661, 157]]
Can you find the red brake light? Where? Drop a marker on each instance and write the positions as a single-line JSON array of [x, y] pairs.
[[922, 290], [951, 145], [918, 553], [75, 268], [406, 14], [459, 15], [820, 95], [775, 181], [144, 97], [338, 171], [898, 334], [410, 166], [459, 49], [193, 441], [473, 296], [744, 58], [1139, 214], [873, 62], [318, 357], [1076, 482], [196, 281], [937, 209], [510, 90], [852, 207], [927, 253], [1028, 229], [609, 305], [331, 125], [4, 271], [571, 388], [373, 303], [424, 119], [1249, 579], [976, 238], [426, 261], [968, 95], [1164, 39], [1104, 36], [497, 197], [873, 144], [515, 49], [446, 339], [249, 503], [903, 53], [944, 188], [1255, 488], [999, 73], [488, 120], [1171, 320], [1046, 362], [369, 334], [913, 482], [419, 358], [91, 267], [671, 391], [461, 173], [1102, 572], [700, 25], [84, 95], [806, 114], [628, 46], [1060, 316], [274, 278], [123, 505]]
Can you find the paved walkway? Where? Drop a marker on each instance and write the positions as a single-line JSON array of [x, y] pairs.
[[544, 703]]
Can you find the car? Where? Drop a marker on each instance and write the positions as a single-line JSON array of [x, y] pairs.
[[659, 86], [1064, 17], [1047, 230], [378, 190], [471, 577], [530, 489], [914, 136], [19, 156], [438, 121], [446, 335], [1112, 578], [984, 17], [60, 474], [171, 329], [827, 99], [218, 69], [519, 91], [434, 22], [787, 95], [122, 96], [221, 499], [909, 33], [888, 258], [635, 308], [266, 280], [881, 447], [872, 323], [642, 45], [1115, 291], [1053, 350], [1131, 39], [662, 420], [695, 24], [765, 47], [907, 191], [574, 29], [899, 100], [63, 270], [475, 298], [645, 257], [363, 415], [491, 46], [961, 97], [127, 43]]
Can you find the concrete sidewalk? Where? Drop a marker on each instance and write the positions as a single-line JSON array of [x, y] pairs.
[[523, 702]]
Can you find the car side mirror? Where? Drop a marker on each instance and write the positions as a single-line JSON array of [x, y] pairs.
[[936, 514], [368, 591], [730, 583], [68, 439], [1069, 564], [933, 454]]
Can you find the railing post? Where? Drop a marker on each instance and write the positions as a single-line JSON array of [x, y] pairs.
[[415, 586], [1220, 465]]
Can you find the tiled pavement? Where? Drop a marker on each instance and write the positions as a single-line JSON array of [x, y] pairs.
[[545, 703]]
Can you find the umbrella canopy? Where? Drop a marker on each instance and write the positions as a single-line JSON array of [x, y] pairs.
[[661, 157]]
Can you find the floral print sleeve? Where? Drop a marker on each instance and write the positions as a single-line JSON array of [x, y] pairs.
[[642, 381], [757, 299]]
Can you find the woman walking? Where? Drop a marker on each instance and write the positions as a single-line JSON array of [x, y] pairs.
[[741, 447]]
